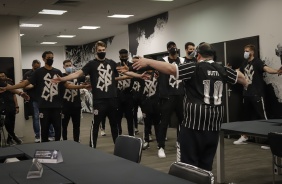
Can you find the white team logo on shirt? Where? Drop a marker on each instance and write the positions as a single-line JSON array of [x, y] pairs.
[[123, 84], [105, 77], [50, 88], [150, 87], [173, 82], [70, 94], [136, 86], [249, 72]]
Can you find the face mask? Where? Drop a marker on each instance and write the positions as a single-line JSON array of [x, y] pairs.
[[172, 50], [246, 55], [69, 69], [101, 55], [123, 60], [189, 53], [49, 62]]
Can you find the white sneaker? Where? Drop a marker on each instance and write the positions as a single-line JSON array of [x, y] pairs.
[[136, 131], [150, 138], [161, 153], [145, 145], [37, 140], [241, 140], [51, 138], [265, 147], [103, 133]]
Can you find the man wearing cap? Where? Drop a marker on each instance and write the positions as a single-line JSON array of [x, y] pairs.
[[171, 96]]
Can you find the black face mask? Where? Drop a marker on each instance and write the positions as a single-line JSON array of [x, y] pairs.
[[172, 50], [123, 60], [49, 62], [101, 55], [189, 53]]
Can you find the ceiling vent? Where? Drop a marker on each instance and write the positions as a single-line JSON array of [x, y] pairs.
[[67, 3]]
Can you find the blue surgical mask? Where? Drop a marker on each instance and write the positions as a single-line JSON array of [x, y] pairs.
[[69, 69], [246, 55]]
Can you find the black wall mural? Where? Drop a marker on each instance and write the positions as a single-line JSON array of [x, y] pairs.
[[81, 54], [145, 27]]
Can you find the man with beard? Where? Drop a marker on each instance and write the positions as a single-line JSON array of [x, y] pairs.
[[102, 73]]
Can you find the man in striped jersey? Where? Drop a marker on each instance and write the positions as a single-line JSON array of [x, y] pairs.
[[203, 108]]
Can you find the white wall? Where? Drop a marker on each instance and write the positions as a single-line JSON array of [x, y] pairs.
[[221, 20], [31, 53], [119, 42], [209, 21], [10, 46]]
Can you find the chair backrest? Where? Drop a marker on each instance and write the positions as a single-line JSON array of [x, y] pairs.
[[191, 173], [128, 147], [275, 143]]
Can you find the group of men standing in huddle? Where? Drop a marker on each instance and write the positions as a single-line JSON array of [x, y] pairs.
[[192, 87]]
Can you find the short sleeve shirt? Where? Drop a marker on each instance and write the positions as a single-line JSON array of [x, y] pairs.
[[102, 77], [48, 94]]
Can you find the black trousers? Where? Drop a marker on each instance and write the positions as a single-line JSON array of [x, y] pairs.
[[254, 108], [10, 118], [74, 113], [151, 113], [168, 106], [101, 109], [125, 106], [47, 117], [197, 147]]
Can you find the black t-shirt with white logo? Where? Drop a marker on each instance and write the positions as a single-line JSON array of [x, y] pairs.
[[151, 89], [102, 77], [71, 97], [47, 93], [253, 71], [31, 92], [124, 86], [168, 84], [137, 87]]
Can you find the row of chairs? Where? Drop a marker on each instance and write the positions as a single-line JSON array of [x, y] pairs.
[[186, 171], [130, 148]]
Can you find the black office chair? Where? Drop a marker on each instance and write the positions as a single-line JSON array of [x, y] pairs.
[[191, 173], [275, 142], [128, 147]]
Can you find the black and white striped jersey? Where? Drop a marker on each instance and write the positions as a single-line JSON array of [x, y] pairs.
[[203, 85]]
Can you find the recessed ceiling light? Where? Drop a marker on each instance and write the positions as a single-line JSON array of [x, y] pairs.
[[21, 34], [120, 16], [48, 43], [52, 12], [66, 36], [30, 25], [89, 27]]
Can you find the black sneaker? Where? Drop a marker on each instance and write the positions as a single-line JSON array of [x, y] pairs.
[[17, 140], [10, 142]]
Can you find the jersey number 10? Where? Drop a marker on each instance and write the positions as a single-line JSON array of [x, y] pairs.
[[217, 92]]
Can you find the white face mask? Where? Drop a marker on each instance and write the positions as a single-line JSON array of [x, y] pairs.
[[246, 55]]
